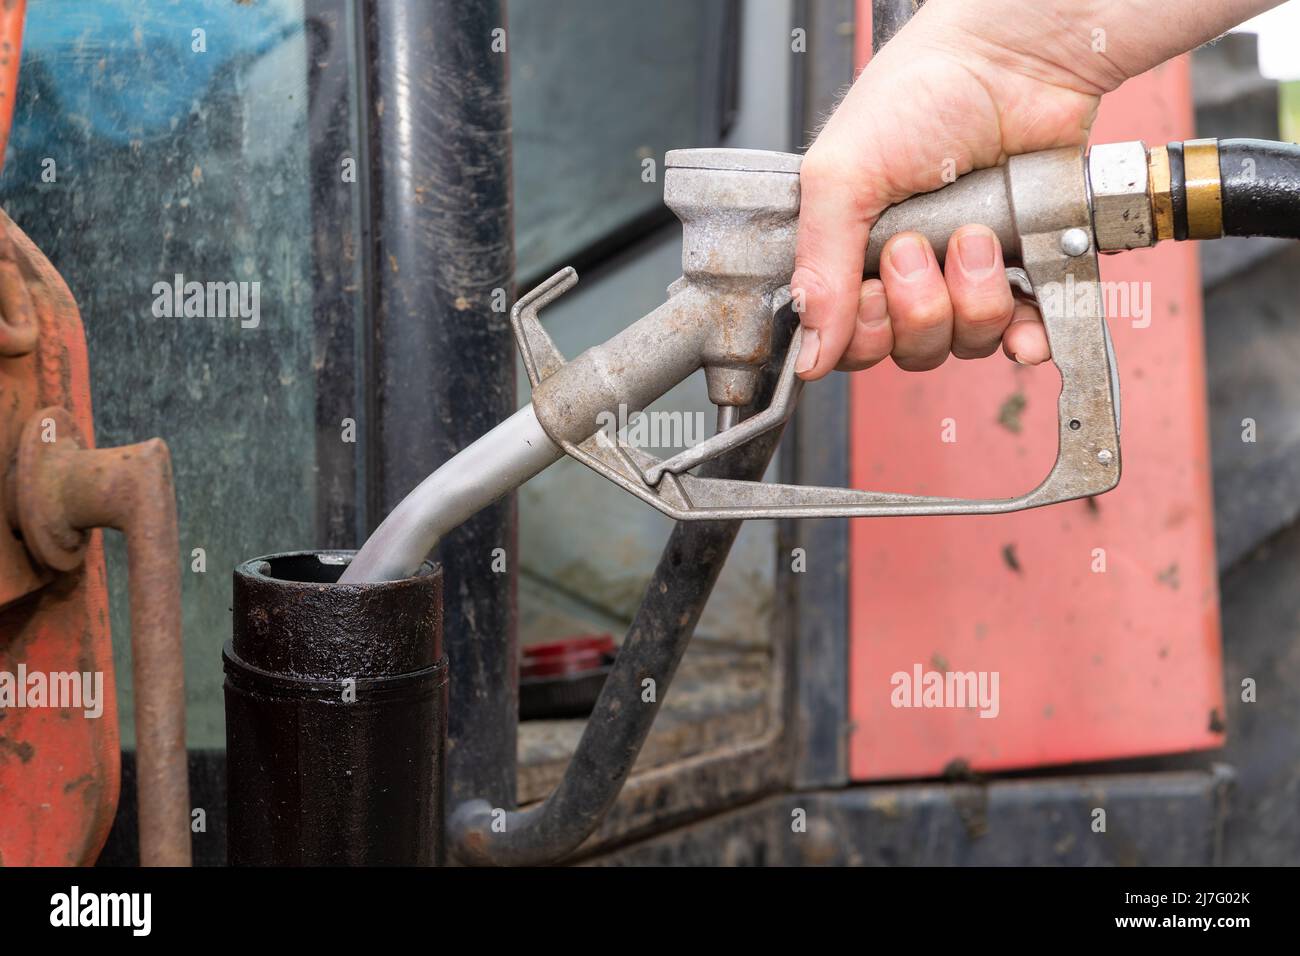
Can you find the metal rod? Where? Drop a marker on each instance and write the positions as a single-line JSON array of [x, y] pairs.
[[440, 261], [728, 415], [888, 17], [817, 612], [130, 489]]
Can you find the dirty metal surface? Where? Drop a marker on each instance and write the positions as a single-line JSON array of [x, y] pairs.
[[816, 452], [584, 553], [436, 118], [61, 492], [1158, 819], [59, 770], [720, 696], [738, 210], [336, 715]]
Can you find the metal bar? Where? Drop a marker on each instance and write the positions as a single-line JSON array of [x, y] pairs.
[[816, 452], [1173, 818], [488, 469], [336, 307], [442, 369], [888, 17]]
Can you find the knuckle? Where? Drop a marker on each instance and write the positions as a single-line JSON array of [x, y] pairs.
[[926, 314], [1025, 312], [823, 164], [816, 167], [985, 314], [810, 292], [833, 172]]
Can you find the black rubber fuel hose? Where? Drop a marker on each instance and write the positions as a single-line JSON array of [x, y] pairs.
[[1261, 188]]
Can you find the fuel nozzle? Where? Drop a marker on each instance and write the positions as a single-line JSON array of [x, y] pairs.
[[739, 210]]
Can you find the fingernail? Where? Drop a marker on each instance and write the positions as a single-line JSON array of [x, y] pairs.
[[874, 311], [1019, 360], [808, 352], [976, 250], [907, 256]]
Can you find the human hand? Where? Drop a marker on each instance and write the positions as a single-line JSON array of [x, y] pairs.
[[950, 93]]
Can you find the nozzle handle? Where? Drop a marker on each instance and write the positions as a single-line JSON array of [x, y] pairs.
[[982, 196]]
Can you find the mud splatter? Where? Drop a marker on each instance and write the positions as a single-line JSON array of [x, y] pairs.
[[1010, 558], [1010, 412]]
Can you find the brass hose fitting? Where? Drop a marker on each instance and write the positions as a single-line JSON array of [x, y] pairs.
[[1204, 189], [1186, 190], [1162, 200]]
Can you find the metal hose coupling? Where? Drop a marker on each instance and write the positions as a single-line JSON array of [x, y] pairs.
[[57, 492], [1186, 190], [1193, 189]]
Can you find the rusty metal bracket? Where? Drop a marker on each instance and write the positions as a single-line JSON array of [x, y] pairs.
[[58, 490]]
